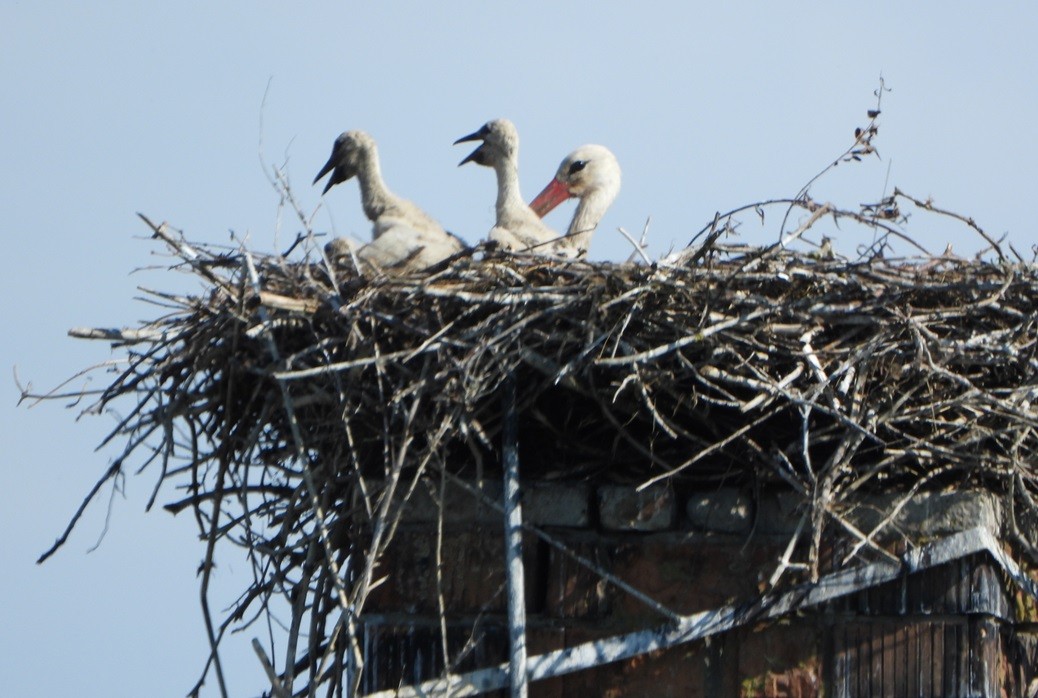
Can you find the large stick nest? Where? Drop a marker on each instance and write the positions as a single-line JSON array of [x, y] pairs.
[[295, 404]]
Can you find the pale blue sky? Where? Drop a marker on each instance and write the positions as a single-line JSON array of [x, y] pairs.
[[108, 109]]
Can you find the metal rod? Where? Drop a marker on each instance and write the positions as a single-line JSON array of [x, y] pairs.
[[514, 545], [706, 623]]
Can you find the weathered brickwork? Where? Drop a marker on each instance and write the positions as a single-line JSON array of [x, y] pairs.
[[697, 552]]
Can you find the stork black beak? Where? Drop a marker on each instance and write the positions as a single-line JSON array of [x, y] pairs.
[[340, 163], [328, 167], [476, 136], [479, 155], [342, 171]]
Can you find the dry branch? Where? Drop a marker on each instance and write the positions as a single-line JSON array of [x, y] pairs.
[[294, 406]]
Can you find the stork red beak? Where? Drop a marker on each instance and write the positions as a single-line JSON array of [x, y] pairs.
[[552, 195]]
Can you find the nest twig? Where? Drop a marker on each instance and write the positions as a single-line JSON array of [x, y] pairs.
[[295, 406]]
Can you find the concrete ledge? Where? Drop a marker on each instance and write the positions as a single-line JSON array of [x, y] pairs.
[[459, 506], [548, 503], [726, 510], [623, 508], [930, 513]]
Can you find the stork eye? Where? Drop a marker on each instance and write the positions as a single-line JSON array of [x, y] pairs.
[[577, 166]]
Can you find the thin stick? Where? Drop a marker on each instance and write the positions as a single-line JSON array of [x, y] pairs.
[[637, 247], [275, 683]]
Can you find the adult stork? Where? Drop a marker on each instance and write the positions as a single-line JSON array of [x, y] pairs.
[[517, 226], [405, 238], [591, 174]]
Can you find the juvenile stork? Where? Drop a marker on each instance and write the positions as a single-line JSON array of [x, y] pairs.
[[591, 174], [517, 226], [405, 238]]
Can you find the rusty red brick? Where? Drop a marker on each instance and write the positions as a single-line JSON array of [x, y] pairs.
[[777, 661]]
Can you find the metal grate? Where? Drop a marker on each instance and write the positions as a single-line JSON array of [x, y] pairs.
[[397, 654], [920, 657]]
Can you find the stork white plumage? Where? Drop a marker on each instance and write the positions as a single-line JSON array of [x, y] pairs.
[[590, 173], [405, 238], [517, 226]]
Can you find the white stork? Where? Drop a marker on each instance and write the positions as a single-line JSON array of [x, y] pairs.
[[517, 226], [405, 238]]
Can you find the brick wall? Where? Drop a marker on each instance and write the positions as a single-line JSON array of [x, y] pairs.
[[690, 552]]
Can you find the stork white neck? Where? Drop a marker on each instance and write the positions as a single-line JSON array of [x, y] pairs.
[[589, 212], [517, 227], [510, 203], [375, 196]]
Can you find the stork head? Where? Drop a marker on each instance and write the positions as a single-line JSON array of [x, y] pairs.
[[500, 141], [348, 154], [588, 170]]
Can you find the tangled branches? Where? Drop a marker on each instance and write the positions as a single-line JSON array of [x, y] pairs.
[[296, 406]]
